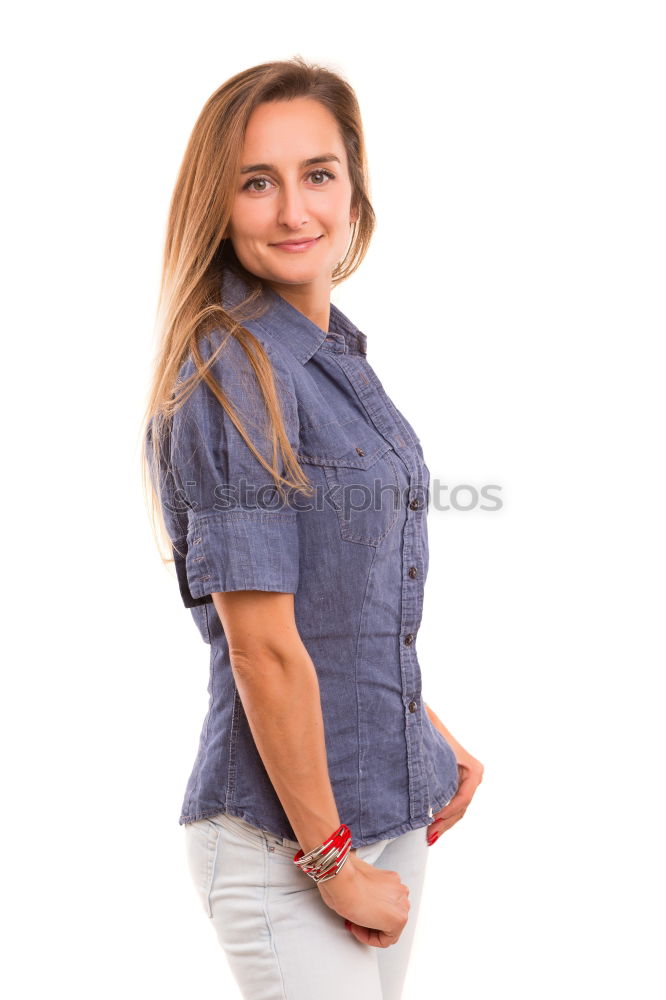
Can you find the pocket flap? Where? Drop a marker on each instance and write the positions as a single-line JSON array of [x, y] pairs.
[[349, 458]]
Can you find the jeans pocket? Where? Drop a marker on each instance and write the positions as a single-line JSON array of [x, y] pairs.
[[271, 844], [202, 840]]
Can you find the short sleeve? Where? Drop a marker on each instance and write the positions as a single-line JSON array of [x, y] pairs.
[[234, 529]]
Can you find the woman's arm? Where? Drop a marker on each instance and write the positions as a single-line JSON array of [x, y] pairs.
[[278, 686], [438, 724]]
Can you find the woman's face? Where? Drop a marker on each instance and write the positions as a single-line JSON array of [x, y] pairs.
[[282, 198]]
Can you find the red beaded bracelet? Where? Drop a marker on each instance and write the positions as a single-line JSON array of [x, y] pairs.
[[324, 862]]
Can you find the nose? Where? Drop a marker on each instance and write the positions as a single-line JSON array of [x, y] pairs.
[[292, 211]]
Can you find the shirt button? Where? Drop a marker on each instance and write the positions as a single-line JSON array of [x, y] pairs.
[[414, 504], [412, 571], [360, 451], [409, 639], [412, 706]]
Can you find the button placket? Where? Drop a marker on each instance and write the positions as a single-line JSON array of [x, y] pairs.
[[419, 793], [389, 423]]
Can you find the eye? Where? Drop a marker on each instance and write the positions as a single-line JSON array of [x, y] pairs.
[[323, 173], [255, 180], [265, 180]]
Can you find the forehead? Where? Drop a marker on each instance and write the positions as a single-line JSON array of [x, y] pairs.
[[282, 131]]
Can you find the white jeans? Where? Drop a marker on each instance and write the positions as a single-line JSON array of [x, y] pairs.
[[280, 939]]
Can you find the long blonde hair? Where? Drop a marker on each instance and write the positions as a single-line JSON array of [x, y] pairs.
[[197, 253]]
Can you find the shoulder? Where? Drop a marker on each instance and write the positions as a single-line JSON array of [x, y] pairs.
[[201, 412], [233, 368]]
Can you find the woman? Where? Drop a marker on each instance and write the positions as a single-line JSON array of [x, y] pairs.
[[294, 495]]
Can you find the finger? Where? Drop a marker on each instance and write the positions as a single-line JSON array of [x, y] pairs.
[[367, 935], [460, 807], [454, 814], [441, 825], [460, 800], [440, 821], [463, 791], [373, 937], [449, 823]]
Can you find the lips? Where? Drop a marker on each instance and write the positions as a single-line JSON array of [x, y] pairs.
[[297, 244]]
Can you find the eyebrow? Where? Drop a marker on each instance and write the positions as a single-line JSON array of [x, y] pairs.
[[324, 158]]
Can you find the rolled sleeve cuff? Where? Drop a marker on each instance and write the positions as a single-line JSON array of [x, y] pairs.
[[241, 550]]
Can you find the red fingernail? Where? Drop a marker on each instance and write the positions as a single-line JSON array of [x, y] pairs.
[[431, 840]]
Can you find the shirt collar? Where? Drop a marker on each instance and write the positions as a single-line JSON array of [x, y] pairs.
[[287, 324]]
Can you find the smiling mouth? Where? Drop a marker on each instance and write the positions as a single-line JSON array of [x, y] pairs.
[[297, 243]]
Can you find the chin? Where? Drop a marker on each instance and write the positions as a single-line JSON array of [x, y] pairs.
[[295, 274]]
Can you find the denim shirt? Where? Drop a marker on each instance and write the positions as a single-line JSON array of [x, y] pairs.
[[354, 554]]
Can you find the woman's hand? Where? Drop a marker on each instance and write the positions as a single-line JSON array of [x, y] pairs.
[[471, 774], [374, 901]]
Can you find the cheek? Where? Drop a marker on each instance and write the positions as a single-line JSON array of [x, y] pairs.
[[248, 219], [329, 211], [340, 209]]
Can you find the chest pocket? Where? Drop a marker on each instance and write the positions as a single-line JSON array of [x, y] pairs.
[[361, 478]]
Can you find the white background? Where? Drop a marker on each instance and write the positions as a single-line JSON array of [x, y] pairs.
[[513, 301]]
